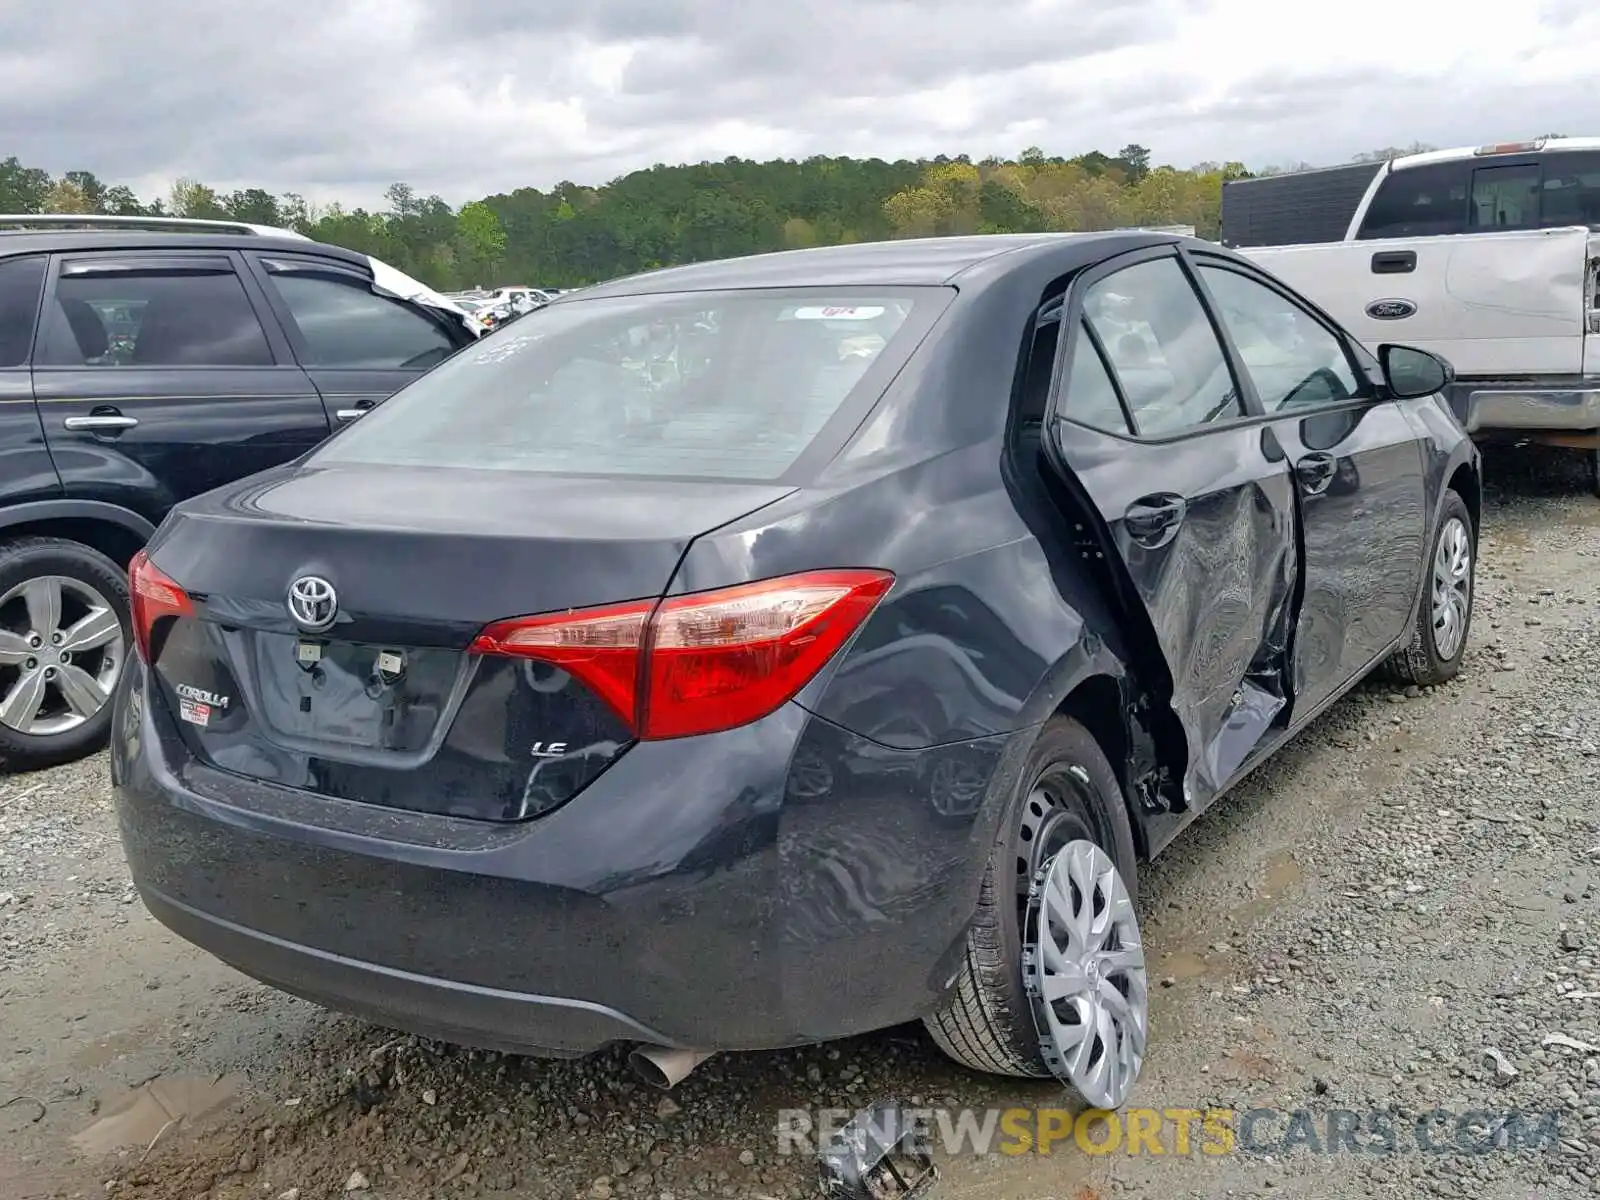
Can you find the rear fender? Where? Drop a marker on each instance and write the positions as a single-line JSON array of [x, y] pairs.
[[39, 511]]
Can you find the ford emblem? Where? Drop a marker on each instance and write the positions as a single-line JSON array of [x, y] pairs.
[[1391, 310]]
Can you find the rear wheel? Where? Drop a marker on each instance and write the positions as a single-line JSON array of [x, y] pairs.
[[1054, 978], [1444, 618], [63, 641]]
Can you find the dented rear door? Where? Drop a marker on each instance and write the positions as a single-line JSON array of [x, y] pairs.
[[1196, 505]]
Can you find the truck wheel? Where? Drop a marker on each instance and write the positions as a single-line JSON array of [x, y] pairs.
[[64, 634], [1444, 618], [1592, 461], [1070, 824]]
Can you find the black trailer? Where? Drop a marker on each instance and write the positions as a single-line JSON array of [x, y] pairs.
[[1296, 208]]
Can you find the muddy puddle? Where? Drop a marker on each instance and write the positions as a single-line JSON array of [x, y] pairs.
[[144, 1115]]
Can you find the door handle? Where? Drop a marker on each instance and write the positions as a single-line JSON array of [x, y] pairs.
[[100, 422], [1394, 262], [1152, 521], [361, 409], [1316, 472]]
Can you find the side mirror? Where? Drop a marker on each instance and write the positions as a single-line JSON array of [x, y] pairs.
[[1410, 373]]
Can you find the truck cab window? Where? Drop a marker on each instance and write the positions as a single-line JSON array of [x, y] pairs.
[[1570, 194], [1506, 197], [1420, 202]]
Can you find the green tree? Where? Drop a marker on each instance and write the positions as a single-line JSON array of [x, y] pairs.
[[66, 197], [574, 233], [1137, 160], [22, 189], [254, 205], [481, 239], [190, 198]]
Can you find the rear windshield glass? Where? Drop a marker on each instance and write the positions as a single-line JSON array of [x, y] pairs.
[[725, 385]]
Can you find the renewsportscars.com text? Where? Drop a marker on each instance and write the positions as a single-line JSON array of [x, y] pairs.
[[1183, 1131]]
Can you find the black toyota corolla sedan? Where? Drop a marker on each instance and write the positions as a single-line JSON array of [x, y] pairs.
[[761, 652]]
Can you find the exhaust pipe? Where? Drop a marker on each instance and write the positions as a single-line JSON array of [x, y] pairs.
[[665, 1068]]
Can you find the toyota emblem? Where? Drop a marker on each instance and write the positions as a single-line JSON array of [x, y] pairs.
[[313, 603]]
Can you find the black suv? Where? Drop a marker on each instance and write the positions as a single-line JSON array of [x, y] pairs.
[[140, 366]]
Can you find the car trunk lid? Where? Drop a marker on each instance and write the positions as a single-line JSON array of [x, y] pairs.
[[385, 704]]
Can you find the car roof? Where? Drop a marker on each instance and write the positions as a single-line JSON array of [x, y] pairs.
[[65, 241], [909, 262]]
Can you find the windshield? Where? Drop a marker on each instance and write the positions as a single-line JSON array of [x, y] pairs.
[[732, 385]]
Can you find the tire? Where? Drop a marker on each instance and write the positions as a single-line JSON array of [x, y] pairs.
[[986, 1022], [1592, 462], [81, 575], [1424, 662]]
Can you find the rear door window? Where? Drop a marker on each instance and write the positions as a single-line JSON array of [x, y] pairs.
[[730, 385], [20, 281], [1162, 348], [1091, 397], [342, 322], [123, 313]]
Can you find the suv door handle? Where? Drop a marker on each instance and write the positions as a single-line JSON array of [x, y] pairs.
[[104, 422], [1315, 472], [350, 414], [1152, 521]]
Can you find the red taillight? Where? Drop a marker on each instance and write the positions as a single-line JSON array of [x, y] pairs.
[[151, 596], [699, 663]]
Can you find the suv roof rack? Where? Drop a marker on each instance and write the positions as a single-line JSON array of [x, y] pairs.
[[104, 220]]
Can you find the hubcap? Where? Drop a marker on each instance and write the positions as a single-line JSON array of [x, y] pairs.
[[1084, 968], [60, 654], [1452, 588]]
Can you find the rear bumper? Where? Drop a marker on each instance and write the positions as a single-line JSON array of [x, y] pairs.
[[491, 1018], [782, 883], [1533, 407]]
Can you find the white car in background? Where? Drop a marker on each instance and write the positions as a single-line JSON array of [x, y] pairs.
[[520, 299]]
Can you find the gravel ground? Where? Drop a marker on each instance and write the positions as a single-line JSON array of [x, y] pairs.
[[1397, 915]]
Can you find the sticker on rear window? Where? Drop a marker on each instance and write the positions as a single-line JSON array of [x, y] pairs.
[[194, 712], [838, 312]]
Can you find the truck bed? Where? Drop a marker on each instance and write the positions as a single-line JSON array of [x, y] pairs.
[[1496, 305]]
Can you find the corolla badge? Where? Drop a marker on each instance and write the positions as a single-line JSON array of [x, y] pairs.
[[313, 603], [1393, 309]]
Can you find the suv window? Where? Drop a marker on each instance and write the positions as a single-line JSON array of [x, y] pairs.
[[344, 323], [1091, 398], [1293, 359], [1420, 202], [1162, 348], [20, 280], [158, 317]]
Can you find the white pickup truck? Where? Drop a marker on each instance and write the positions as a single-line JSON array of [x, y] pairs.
[[1489, 257]]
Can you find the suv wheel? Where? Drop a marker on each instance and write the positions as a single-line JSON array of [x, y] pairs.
[[1444, 618], [1054, 979], [63, 640]]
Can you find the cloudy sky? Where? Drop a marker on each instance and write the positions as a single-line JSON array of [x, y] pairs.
[[338, 98]]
